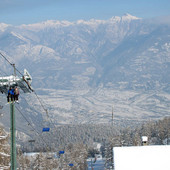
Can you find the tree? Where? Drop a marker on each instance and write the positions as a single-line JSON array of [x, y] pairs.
[[4, 150]]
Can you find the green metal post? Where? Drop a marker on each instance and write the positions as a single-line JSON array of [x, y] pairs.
[[13, 140]]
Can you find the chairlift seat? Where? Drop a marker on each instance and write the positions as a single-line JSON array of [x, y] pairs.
[[61, 152], [45, 129]]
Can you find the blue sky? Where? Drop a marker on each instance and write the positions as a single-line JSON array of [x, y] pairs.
[[18, 12]]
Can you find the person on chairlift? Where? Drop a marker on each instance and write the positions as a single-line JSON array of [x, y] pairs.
[[10, 94], [16, 93]]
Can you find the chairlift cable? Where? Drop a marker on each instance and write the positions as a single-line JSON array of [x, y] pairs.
[[48, 118], [5, 58], [17, 107], [25, 86], [41, 104], [23, 75], [15, 69], [50, 133], [46, 111], [31, 107], [11, 63], [28, 86], [32, 127]]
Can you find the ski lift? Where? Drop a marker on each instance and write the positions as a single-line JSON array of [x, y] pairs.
[[24, 82], [61, 152], [31, 141], [46, 125], [46, 129], [71, 164]]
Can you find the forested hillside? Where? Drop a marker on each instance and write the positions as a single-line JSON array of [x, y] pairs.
[[158, 132]]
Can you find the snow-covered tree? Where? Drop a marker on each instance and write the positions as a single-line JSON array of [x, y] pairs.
[[76, 154], [4, 150]]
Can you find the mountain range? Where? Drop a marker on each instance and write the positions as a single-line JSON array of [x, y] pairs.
[[84, 69]]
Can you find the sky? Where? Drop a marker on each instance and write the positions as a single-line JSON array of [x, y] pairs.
[[17, 12]]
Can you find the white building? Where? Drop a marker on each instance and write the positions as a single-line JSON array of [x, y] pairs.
[[156, 157]]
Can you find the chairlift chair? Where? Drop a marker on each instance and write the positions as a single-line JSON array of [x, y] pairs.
[[46, 129]]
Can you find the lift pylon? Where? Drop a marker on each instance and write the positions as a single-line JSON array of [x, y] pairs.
[[13, 137], [25, 84]]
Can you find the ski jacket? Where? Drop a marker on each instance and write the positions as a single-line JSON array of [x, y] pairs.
[[12, 91], [16, 91], [9, 92]]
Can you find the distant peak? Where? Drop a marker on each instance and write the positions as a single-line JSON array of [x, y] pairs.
[[125, 17], [3, 26], [128, 16]]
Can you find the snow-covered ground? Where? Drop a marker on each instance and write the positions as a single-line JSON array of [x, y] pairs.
[[75, 106], [142, 158], [97, 163]]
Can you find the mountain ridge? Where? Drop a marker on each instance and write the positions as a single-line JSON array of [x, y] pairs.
[[48, 23], [82, 70]]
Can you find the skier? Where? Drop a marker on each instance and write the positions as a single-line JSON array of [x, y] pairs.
[[10, 94], [16, 94]]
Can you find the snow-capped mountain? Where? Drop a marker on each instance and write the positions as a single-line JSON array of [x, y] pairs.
[[88, 66]]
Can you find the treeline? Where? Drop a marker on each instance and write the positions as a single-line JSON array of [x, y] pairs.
[[158, 133], [61, 136]]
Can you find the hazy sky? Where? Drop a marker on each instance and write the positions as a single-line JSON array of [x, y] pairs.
[[18, 12]]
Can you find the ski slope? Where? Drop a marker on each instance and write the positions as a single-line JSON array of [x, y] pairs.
[[97, 163]]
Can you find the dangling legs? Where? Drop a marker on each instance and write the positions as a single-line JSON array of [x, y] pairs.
[[16, 97], [8, 98], [12, 98]]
